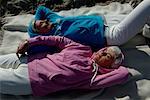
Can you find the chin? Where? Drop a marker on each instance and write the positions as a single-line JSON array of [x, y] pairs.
[[43, 32], [104, 64]]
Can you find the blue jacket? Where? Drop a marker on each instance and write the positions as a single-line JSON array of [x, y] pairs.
[[88, 30]]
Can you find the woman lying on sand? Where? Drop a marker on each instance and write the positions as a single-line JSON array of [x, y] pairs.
[[90, 30]]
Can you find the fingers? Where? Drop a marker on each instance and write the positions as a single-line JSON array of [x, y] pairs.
[[22, 48], [18, 52], [18, 55]]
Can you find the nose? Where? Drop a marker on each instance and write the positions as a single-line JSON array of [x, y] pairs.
[[43, 24], [46, 21]]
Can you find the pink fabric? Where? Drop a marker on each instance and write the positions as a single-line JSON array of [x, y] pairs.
[[104, 70], [69, 69]]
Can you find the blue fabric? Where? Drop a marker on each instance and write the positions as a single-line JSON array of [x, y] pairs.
[[88, 30]]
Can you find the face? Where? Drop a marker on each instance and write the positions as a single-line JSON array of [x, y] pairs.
[[43, 26], [104, 57]]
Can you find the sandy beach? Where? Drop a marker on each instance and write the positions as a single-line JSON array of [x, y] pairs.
[[17, 7]]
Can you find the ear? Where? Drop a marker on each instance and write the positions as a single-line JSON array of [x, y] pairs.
[[118, 61]]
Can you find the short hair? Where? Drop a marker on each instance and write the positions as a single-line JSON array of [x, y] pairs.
[[33, 26]]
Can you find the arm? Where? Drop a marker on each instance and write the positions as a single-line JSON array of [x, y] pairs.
[[57, 41], [44, 13], [117, 76]]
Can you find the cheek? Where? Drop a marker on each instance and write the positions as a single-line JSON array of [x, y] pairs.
[[105, 62], [95, 57], [43, 30]]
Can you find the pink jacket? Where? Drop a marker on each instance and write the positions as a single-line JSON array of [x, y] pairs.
[[71, 68]]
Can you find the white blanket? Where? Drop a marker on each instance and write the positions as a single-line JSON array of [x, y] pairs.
[[137, 58]]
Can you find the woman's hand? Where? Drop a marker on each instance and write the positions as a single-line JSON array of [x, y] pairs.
[[22, 48]]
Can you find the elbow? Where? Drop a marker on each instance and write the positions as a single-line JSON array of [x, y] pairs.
[[123, 74]]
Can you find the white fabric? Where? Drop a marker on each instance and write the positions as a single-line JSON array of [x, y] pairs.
[[137, 58], [146, 31], [14, 78], [130, 26]]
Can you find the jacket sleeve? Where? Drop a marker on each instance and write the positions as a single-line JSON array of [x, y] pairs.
[[58, 41], [115, 77], [44, 13]]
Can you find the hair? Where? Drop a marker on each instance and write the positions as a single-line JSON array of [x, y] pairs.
[[119, 56], [33, 26]]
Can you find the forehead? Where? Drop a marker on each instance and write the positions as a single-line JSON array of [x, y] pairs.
[[107, 50], [37, 21]]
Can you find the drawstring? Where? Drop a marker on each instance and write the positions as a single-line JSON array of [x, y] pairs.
[[95, 70]]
